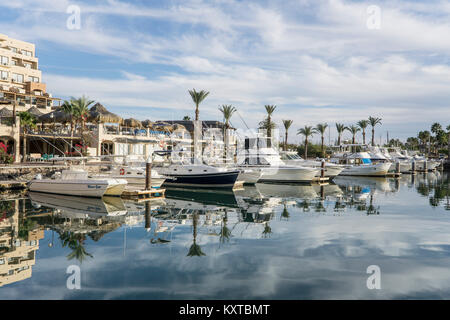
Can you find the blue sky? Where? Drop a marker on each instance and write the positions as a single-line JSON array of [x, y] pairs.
[[316, 60]]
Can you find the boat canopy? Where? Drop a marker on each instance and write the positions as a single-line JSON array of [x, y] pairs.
[[74, 175]]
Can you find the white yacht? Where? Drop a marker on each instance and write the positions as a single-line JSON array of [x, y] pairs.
[[75, 182], [292, 158], [133, 174], [257, 156], [359, 164]]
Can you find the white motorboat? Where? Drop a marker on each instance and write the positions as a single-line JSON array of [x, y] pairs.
[[292, 158], [359, 164], [75, 182], [268, 160], [198, 175], [249, 176], [133, 174]]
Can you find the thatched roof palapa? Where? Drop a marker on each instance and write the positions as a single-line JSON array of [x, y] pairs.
[[35, 112], [98, 113], [147, 124], [131, 122], [5, 112], [58, 116]]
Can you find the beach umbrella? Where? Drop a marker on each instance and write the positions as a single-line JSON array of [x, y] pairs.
[[98, 113], [35, 112], [5, 112], [131, 122]]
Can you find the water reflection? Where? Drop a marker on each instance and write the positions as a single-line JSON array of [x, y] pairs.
[[256, 226]]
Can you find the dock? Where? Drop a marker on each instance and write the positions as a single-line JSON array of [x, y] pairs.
[[12, 185], [321, 180], [135, 193]]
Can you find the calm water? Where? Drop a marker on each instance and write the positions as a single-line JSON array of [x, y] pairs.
[[264, 242]]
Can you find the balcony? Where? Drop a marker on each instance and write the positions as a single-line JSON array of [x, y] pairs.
[[31, 87]]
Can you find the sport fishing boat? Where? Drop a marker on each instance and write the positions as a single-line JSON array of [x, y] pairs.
[[198, 176], [267, 159], [75, 182], [359, 164], [133, 174], [292, 158], [250, 175]]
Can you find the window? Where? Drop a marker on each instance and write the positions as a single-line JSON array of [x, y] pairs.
[[4, 75], [4, 60], [33, 79], [14, 49], [27, 53], [2, 261], [27, 65], [14, 62], [17, 77]]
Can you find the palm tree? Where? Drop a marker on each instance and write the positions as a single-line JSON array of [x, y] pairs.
[[340, 129], [75, 242], [267, 123], [68, 107], [363, 125], [198, 97], [27, 121], [81, 110], [195, 249], [306, 131], [287, 124], [354, 130], [186, 118], [321, 128], [373, 122], [227, 112], [225, 232]]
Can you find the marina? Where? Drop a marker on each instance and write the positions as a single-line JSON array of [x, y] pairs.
[[224, 150]]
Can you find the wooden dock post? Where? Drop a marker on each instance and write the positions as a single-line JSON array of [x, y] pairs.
[[425, 166], [148, 217], [322, 172], [148, 173], [397, 167], [413, 168]]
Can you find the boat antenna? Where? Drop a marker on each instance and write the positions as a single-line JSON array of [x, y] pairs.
[[242, 119]]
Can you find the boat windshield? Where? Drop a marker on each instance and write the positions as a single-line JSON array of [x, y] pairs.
[[290, 156]]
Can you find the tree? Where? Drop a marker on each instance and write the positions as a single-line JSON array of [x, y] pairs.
[[68, 107], [320, 128], [27, 122], [198, 97], [81, 110], [227, 112], [340, 129], [363, 125], [267, 123], [186, 118], [373, 122], [287, 124], [353, 130], [306, 131]]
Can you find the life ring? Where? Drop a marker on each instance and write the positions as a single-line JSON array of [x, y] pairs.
[[122, 171]]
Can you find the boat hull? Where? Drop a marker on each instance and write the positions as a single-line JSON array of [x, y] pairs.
[[249, 176], [289, 175], [209, 180], [94, 188], [372, 170]]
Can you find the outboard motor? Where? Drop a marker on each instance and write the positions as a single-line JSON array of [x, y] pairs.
[[38, 176]]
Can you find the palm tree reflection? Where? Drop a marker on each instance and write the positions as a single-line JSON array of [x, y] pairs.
[[195, 249], [75, 242]]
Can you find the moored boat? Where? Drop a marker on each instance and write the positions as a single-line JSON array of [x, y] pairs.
[[75, 182]]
